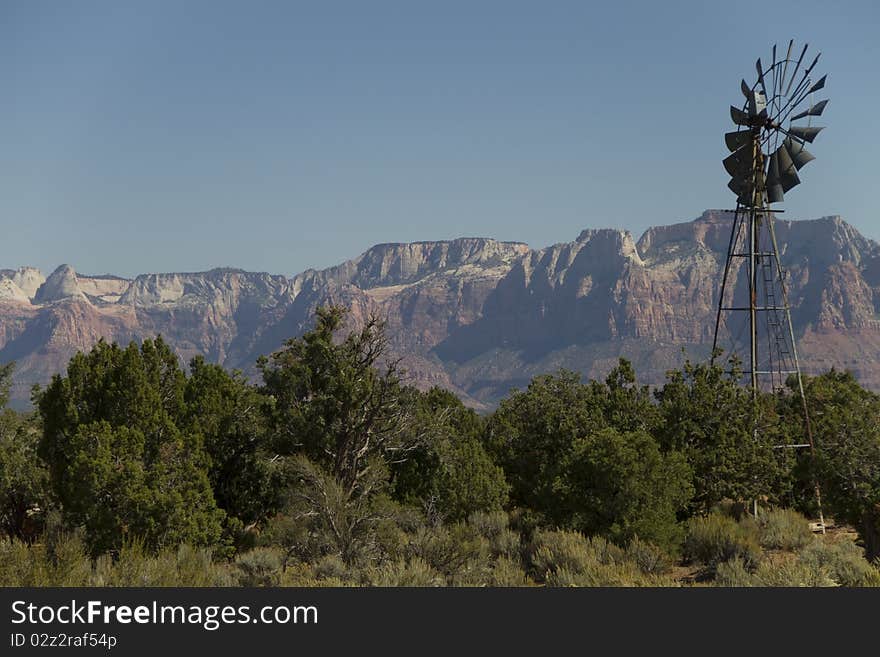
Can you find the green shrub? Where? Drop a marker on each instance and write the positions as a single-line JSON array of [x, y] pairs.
[[793, 572], [788, 572], [714, 539], [183, 566], [494, 527], [22, 564], [412, 572], [194, 566], [843, 560], [784, 529], [507, 572], [456, 551], [649, 558], [599, 575], [68, 560], [332, 566], [63, 562], [259, 567], [562, 558], [554, 551], [303, 575], [733, 572]]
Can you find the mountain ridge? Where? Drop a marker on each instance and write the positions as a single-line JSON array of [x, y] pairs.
[[475, 315]]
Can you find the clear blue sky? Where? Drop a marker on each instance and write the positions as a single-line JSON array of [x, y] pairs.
[[276, 136]]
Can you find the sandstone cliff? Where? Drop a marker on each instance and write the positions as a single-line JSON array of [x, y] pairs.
[[475, 315]]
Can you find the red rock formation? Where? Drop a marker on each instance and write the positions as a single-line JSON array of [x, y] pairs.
[[475, 315]]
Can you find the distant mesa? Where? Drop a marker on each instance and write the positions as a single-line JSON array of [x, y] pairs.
[[475, 315]]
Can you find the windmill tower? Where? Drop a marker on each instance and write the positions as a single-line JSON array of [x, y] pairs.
[[753, 320]]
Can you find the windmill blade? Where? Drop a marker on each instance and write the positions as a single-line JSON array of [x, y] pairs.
[[761, 76], [746, 89], [737, 185], [773, 169], [739, 164], [786, 164], [775, 72], [775, 192], [785, 66], [796, 67], [786, 169], [737, 139], [804, 80], [814, 110], [804, 133], [812, 66], [819, 85], [789, 181], [797, 153], [743, 189], [802, 94], [739, 117]]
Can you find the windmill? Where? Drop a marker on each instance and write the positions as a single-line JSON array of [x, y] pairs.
[[764, 161]]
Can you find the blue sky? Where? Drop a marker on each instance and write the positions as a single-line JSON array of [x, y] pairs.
[[277, 136]]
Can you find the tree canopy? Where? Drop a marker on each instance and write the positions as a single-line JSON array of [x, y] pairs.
[[119, 453], [333, 464]]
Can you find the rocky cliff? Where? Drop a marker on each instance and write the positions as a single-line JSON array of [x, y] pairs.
[[475, 315]]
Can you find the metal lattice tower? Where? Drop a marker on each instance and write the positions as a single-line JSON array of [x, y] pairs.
[[753, 320]]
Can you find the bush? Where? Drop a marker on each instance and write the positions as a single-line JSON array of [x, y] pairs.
[[457, 551], [563, 558], [183, 566], [507, 572], [22, 565], [789, 572], [412, 572], [304, 575], [332, 567], [784, 529], [649, 559], [600, 575], [489, 524], [714, 539], [571, 552], [64, 561], [843, 560], [259, 567], [493, 526], [68, 561], [733, 573], [793, 572]]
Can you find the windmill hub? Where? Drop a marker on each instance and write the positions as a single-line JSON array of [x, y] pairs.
[[765, 155]]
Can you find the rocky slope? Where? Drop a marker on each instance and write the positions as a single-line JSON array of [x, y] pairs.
[[475, 315]]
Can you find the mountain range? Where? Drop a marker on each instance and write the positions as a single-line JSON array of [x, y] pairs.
[[475, 315]]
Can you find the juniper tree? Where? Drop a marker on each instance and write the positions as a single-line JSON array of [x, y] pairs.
[[121, 459], [23, 477], [338, 399]]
